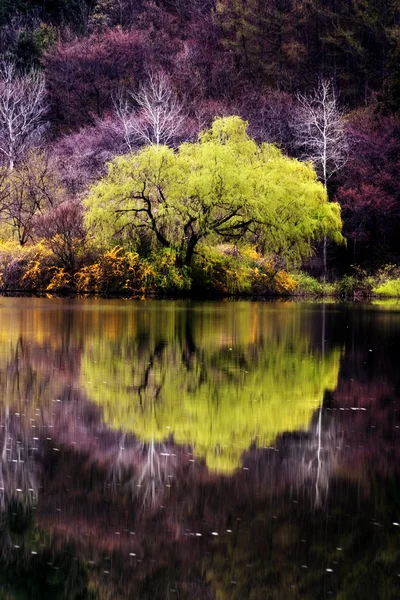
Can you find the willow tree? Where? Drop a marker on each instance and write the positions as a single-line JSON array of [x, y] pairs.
[[224, 185]]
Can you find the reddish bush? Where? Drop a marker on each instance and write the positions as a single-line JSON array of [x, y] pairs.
[[64, 232], [80, 157]]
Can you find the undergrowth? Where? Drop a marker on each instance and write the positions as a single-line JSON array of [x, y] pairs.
[[223, 270]]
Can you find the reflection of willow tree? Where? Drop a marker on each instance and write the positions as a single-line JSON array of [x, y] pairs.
[[218, 382]]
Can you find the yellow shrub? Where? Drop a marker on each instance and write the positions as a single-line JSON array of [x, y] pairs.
[[24, 267], [88, 279], [113, 262], [36, 274], [250, 253], [266, 280], [148, 275], [60, 279], [285, 284], [133, 272]]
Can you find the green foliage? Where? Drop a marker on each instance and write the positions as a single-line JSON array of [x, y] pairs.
[[232, 270], [247, 377], [389, 289], [223, 185], [347, 286], [221, 271], [387, 282], [32, 43], [308, 284], [356, 286], [164, 275]]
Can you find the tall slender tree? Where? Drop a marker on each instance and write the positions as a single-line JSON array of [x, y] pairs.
[[320, 134]]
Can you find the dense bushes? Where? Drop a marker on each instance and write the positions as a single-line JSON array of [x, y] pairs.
[[358, 285], [228, 270], [217, 271], [223, 270], [37, 268], [117, 271]]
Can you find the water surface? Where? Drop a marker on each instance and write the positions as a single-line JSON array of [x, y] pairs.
[[230, 450]]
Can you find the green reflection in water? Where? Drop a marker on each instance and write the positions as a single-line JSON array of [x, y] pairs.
[[218, 378]]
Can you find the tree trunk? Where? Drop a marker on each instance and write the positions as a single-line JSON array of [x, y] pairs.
[[186, 260]]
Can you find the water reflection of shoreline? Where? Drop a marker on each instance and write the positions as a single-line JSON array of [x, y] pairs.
[[218, 380], [98, 485]]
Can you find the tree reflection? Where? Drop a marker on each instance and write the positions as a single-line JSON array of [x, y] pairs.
[[115, 505], [217, 383]]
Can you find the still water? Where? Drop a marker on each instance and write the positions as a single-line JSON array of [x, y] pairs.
[[182, 450]]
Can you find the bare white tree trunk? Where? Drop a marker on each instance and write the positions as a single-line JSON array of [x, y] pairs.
[[158, 117], [321, 136], [22, 112]]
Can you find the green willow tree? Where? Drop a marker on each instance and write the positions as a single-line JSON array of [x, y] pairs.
[[222, 186]]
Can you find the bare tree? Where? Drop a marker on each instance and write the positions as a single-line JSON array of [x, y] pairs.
[[26, 191], [320, 134], [63, 228], [159, 116], [22, 111]]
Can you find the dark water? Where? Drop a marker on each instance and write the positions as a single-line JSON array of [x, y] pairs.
[[162, 450]]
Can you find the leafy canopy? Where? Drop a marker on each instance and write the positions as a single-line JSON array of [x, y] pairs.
[[224, 185]]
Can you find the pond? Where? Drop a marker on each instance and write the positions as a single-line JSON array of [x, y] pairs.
[[213, 450]]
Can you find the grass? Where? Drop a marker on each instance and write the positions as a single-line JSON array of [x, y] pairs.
[[387, 289]]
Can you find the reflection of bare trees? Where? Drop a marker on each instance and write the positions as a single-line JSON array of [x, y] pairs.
[[17, 471], [18, 477], [323, 450], [303, 461], [310, 463], [153, 476], [143, 471], [33, 374]]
